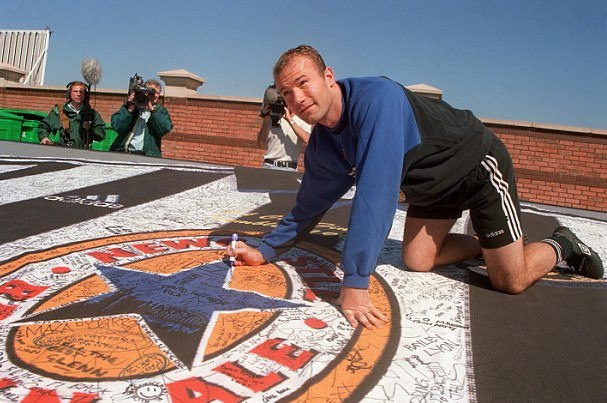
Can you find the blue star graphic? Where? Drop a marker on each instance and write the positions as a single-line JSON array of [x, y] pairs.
[[176, 307]]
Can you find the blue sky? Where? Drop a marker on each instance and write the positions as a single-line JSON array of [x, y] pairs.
[[542, 61]]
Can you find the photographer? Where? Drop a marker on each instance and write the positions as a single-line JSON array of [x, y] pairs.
[[141, 121], [282, 134], [77, 123]]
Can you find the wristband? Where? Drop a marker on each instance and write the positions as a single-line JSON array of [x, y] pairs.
[[292, 121]]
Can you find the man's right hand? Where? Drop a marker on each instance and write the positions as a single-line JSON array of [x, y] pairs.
[[46, 141], [130, 104], [245, 255]]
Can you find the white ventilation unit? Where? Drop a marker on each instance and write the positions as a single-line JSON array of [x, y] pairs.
[[27, 51]]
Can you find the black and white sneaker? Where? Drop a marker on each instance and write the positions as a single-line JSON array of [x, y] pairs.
[[583, 261]]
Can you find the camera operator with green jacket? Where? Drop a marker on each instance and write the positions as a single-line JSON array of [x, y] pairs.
[[77, 123], [141, 121]]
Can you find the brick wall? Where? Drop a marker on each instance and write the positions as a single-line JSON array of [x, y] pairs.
[[556, 165], [214, 131]]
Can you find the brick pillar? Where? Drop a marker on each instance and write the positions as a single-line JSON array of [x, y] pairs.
[[180, 83]]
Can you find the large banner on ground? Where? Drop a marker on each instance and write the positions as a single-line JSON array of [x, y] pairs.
[[114, 287]]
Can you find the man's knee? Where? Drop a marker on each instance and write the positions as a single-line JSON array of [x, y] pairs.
[[510, 285], [417, 262], [507, 278], [507, 268]]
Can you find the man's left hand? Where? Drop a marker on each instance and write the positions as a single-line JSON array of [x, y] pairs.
[[288, 115], [357, 308]]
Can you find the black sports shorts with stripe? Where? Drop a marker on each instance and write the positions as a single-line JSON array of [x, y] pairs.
[[489, 192]]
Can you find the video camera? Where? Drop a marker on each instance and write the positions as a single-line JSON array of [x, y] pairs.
[[136, 85], [274, 104]]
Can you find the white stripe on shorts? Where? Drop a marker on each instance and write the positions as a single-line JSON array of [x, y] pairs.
[[501, 186]]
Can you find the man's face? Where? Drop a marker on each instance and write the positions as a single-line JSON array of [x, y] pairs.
[[154, 98], [305, 90], [77, 94]]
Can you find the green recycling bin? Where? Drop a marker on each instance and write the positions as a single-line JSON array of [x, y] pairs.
[[10, 126], [28, 131], [110, 136]]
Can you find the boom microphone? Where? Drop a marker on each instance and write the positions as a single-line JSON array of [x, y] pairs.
[[91, 71]]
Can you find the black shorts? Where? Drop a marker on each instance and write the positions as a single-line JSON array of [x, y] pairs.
[[489, 192]]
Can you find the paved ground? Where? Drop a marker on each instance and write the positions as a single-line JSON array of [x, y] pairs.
[[114, 287]]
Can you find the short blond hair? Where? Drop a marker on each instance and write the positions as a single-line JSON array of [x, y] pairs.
[[306, 51], [153, 82], [77, 84]]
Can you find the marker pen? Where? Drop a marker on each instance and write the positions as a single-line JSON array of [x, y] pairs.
[[233, 246]]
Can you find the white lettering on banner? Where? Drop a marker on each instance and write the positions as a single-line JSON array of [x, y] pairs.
[[83, 201]]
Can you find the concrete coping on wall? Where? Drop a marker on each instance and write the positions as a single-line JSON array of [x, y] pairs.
[[33, 87], [56, 88], [544, 126], [225, 98], [425, 89]]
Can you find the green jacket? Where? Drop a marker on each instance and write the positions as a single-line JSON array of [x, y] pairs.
[[74, 135], [157, 126]]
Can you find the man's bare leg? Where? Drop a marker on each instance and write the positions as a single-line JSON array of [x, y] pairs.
[[427, 244], [514, 268]]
